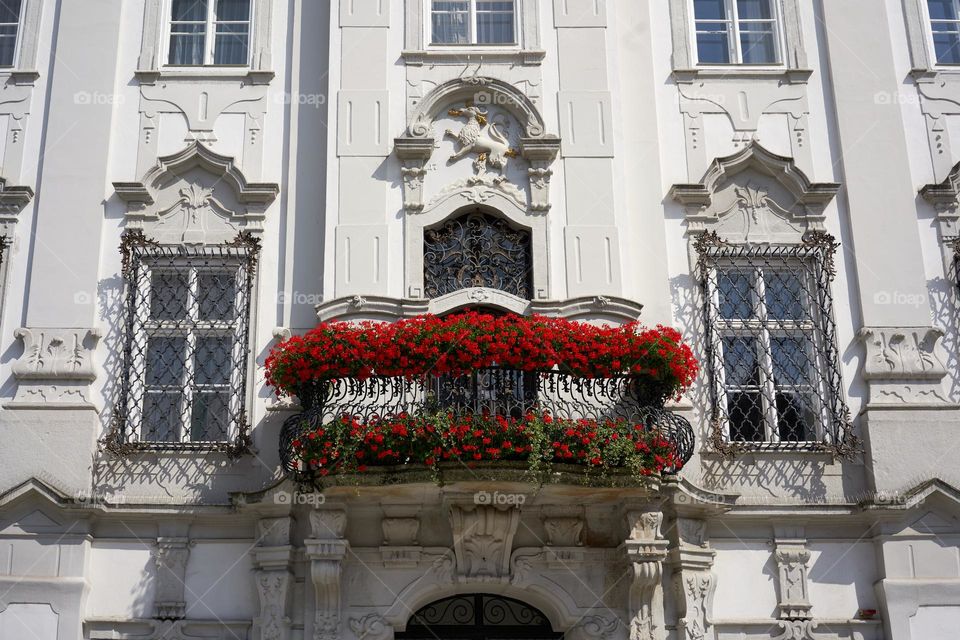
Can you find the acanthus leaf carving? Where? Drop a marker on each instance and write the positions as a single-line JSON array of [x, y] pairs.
[[646, 550], [483, 541], [371, 627]]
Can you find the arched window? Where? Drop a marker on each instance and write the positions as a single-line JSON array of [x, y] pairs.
[[476, 250], [478, 617]]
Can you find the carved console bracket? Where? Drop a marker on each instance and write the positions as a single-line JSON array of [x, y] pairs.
[[691, 561], [904, 366], [540, 153], [400, 547], [646, 551], [13, 200], [483, 541], [272, 558], [56, 368], [326, 550], [413, 154], [945, 198], [564, 529], [792, 555], [170, 556]]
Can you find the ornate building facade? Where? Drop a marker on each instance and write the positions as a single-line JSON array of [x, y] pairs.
[[186, 183]]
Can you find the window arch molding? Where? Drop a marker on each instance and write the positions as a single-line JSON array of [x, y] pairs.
[[496, 204]]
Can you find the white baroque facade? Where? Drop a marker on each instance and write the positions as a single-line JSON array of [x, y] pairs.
[[776, 178]]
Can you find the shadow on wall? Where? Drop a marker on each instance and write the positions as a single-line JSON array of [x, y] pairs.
[[946, 316], [796, 476]]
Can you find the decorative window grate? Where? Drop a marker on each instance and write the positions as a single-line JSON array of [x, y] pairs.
[[771, 346], [186, 344], [480, 616], [476, 250]]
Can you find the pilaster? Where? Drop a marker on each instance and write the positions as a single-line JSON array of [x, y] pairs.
[[272, 557], [326, 549], [646, 550]]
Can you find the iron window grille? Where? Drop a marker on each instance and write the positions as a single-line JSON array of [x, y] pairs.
[[954, 244], [476, 250], [186, 345], [771, 346]]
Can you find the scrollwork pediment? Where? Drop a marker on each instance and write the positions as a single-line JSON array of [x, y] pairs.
[[195, 196], [755, 196]]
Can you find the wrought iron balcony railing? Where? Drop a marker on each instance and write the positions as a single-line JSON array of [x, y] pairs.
[[489, 392]]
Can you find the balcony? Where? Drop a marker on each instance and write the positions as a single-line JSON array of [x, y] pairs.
[[530, 397]]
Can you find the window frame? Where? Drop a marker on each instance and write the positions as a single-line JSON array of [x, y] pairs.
[[831, 430], [429, 44], [929, 34], [140, 259], [732, 20], [209, 35], [18, 40]]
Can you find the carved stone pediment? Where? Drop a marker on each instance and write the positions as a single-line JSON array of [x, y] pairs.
[[755, 196], [195, 196]]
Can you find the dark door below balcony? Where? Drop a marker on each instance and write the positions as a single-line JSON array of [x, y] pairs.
[[478, 617]]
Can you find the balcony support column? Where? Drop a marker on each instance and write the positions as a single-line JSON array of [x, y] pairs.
[[326, 550], [646, 550]]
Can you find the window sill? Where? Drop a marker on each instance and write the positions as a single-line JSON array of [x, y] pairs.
[[935, 73], [22, 77], [460, 55], [742, 72], [255, 76], [764, 450]]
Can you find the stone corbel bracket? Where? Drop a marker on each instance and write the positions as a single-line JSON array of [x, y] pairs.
[[146, 206], [13, 200], [56, 368], [904, 366], [691, 561], [540, 153], [564, 529], [809, 199], [272, 559], [945, 198], [400, 548], [170, 556], [326, 550], [645, 550], [413, 154], [483, 540]]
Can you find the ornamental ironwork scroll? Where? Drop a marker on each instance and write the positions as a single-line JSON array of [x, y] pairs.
[[476, 250]]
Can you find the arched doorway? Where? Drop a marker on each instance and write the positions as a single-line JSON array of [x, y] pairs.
[[479, 616]]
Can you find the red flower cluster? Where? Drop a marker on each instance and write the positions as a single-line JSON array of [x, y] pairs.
[[347, 445], [458, 344]]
